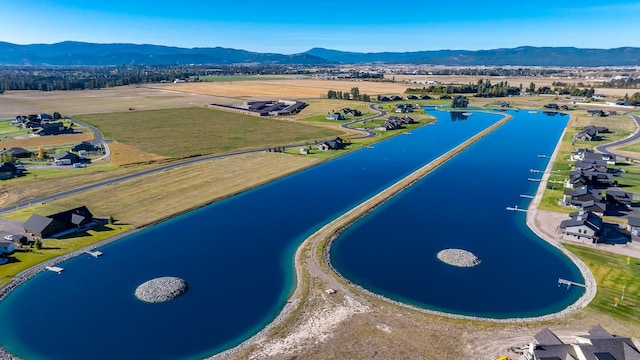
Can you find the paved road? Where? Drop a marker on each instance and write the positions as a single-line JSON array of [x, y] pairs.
[[160, 168], [633, 137]]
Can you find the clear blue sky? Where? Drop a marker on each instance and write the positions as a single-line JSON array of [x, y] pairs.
[[295, 26]]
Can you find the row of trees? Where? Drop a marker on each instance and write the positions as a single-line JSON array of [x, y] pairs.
[[353, 94]]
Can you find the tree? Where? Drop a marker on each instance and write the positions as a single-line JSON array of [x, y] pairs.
[[38, 243], [355, 93], [531, 88], [460, 102], [41, 154]]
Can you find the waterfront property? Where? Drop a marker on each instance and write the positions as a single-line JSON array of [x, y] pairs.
[[265, 107], [598, 343], [59, 223], [582, 226]]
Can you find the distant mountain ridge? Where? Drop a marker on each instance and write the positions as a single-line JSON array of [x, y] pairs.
[[80, 53]]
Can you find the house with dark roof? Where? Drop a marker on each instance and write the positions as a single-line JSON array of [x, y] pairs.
[[586, 154], [61, 223], [586, 199], [65, 158], [54, 128], [596, 112], [17, 152], [8, 170], [582, 226], [412, 97], [425, 97], [598, 344], [618, 196], [7, 247], [404, 108], [334, 144], [351, 112], [84, 145]]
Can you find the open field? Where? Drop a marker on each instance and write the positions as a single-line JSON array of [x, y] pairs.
[[108, 100], [612, 273], [199, 131], [293, 88], [155, 197]]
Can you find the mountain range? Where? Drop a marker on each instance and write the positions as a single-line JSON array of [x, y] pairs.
[[79, 53]]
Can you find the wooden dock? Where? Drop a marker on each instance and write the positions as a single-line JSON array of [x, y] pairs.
[[526, 196], [95, 254], [516, 208], [55, 269], [534, 180], [569, 283]]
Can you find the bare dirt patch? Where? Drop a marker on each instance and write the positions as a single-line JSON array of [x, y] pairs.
[[35, 141], [123, 154]]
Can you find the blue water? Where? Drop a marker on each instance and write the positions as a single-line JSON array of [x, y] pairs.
[[393, 250], [236, 255]]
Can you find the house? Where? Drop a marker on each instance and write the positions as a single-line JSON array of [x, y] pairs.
[[352, 112], [582, 226], [445, 97], [55, 128], [425, 97], [304, 151], [595, 112], [7, 247], [404, 108], [7, 170], [17, 239], [60, 223], [598, 344], [65, 158], [84, 145], [551, 106], [412, 97], [17, 152], [335, 144], [383, 98], [597, 96], [395, 98], [335, 116], [502, 104], [618, 196], [585, 199], [633, 225], [586, 154], [45, 117]]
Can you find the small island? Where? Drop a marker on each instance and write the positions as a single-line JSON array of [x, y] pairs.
[[161, 289], [458, 257]]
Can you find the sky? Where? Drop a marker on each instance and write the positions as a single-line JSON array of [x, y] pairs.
[[289, 27]]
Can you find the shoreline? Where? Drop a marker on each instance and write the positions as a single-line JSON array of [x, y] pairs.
[[327, 237]]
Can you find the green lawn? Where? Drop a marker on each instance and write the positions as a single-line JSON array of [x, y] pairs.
[[197, 131], [612, 273], [22, 260]]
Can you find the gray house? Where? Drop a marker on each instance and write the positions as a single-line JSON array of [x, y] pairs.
[[63, 222], [598, 344], [582, 226]]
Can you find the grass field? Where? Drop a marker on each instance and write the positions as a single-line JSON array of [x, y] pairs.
[[197, 131], [225, 78], [612, 272]]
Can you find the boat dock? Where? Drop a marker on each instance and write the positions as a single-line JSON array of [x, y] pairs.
[[55, 269], [569, 283], [95, 254], [533, 180], [516, 208], [526, 196]]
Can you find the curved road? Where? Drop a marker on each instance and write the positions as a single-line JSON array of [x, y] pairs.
[[631, 138], [176, 164], [97, 138]]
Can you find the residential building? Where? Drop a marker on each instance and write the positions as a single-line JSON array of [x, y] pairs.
[[582, 226], [61, 223]]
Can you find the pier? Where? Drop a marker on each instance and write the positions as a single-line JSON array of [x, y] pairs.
[[55, 269], [95, 254], [533, 180], [569, 283], [527, 196], [516, 208]]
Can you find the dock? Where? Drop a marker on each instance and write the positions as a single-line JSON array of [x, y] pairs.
[[569, 283], [526, 196], [533, 180], [95, 254], [55, 269], [516, 208], [543, 156]]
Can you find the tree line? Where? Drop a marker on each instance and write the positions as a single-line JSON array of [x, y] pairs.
[[353, 94]]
